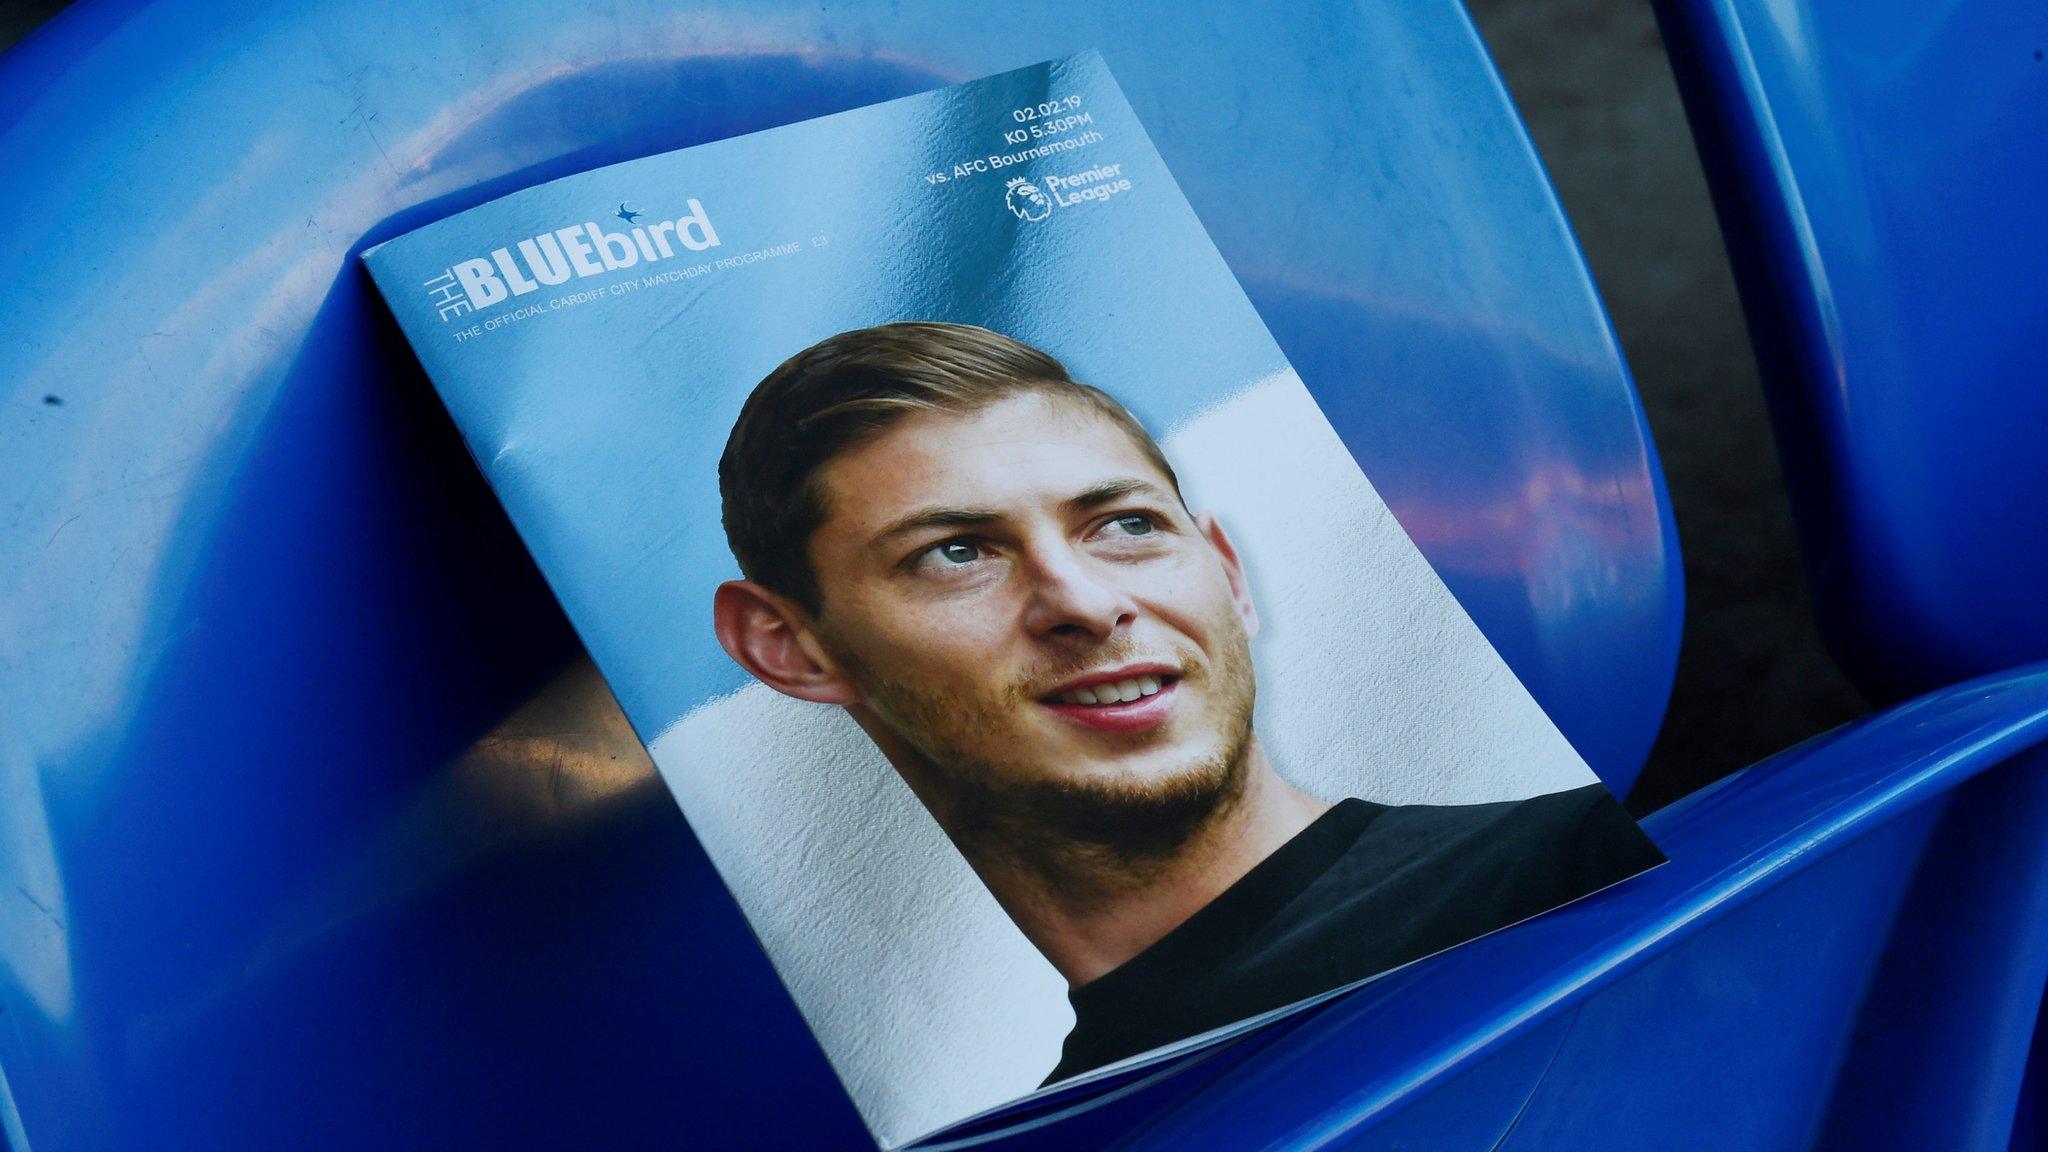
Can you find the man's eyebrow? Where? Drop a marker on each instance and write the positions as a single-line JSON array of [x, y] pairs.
[[1094, 496], [925, 518], [1110, 491]]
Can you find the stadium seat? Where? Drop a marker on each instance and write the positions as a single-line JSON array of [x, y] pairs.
[[1879, 176]]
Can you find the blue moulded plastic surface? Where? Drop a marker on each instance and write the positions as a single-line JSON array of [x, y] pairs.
[[314, 830], [1845, 951], [1880, 173]]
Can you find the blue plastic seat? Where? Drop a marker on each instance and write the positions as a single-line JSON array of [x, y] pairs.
[[315, 830], [1879, 173]]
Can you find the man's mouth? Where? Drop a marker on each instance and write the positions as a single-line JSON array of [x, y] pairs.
[[1124, 700], [1118, 692]]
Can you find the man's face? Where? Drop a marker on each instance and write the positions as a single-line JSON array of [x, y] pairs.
[[1023, 601]]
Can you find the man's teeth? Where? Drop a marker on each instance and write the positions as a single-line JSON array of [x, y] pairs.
[[1117, 693]]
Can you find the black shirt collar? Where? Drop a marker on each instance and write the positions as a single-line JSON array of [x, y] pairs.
[[1207, 938]]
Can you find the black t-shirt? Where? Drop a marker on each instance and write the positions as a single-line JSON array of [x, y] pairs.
[[1365, 888]]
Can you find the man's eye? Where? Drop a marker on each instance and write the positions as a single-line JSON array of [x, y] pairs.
[[952, 552], [1129, 525]]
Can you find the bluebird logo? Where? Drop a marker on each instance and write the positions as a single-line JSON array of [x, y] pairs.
[[579, 250], [1026, 200]]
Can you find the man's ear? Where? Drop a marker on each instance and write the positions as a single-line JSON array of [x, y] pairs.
[[771, 637], [1233, 570]]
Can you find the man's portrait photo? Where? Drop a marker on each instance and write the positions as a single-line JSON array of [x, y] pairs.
[[993, 570]]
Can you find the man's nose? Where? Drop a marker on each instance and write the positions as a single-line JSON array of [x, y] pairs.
[[1071, 595]]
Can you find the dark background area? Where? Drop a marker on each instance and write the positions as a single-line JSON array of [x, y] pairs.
[[1592, 82]]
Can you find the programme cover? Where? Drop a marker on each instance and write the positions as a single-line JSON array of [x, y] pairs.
[[1027, 651]]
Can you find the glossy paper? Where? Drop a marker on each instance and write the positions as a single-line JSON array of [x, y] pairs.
[[594, 339]]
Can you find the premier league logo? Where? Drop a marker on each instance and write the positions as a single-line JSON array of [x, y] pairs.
[[1026, 200]]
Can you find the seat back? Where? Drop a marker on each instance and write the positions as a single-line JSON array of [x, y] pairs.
[[315, 829], [1880, 174]]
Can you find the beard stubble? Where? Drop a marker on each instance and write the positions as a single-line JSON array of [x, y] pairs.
[[1073, 825]]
